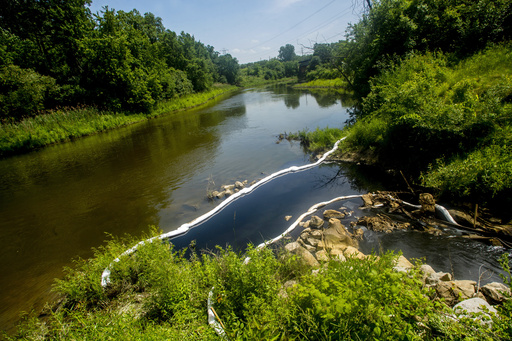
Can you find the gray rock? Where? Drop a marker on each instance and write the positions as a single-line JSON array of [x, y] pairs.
[[469, 307], [436, 277]]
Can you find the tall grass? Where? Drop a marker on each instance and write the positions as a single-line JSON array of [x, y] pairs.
[[63, 124]]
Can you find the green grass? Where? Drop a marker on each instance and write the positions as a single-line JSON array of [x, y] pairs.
[[60, 125], [337, 83], [158, 294], [318, 139]]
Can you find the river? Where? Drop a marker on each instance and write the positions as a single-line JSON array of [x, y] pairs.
[[59, 202]]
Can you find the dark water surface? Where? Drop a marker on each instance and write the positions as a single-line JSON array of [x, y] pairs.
[[58, 203]]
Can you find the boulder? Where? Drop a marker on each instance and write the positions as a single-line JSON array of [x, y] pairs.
[[427, 270], [469, 307], [353, 252], [316, 222], [299, 250], [239, 185], [455, 291], [322, 256], [337, 254], [493, 292], [229, 192], [403, 264], [336, 236], [220, 195], [328, 214], [228, 187]]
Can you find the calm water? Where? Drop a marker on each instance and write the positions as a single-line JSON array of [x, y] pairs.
[[57, 203]]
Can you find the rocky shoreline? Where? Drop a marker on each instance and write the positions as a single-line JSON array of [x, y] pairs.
[[325, 238]]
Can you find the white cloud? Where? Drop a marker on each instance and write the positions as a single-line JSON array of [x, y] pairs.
[[255, 41], [236, 51], [266, 48]]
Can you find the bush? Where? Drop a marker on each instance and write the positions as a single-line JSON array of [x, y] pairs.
[[23, 92]]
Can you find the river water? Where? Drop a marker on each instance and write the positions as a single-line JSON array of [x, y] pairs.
[[59, 202]]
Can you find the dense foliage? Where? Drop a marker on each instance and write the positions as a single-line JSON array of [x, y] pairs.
[[457, 119], [157, 294], [57, 53], [392, 29], [434, 81]]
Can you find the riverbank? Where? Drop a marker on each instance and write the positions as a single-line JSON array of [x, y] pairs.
[[60, 125], [263, 293], [338, 84]]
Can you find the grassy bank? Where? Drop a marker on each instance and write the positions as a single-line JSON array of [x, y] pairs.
[[158, 294], [60, 125], [253, 81], [447, 126], [337, 83]]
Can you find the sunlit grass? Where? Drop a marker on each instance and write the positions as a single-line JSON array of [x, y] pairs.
[[54, 126]]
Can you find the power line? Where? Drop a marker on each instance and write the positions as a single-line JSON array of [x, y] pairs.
[[328, 22], [291, 28]]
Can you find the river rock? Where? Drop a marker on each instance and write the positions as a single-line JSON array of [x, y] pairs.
[[469, 307], [351, 251], [336, 236], [367, 200], [316, 222], [427, 202], [288, 217], [427, 270], [306, 256], [436, 277], [337, 254], [358, 234], [403, 264], [229, 192], [220, 195], [322, 256], [228, 187], [455, 291], [239, 185], [493, 292], [328, 214]]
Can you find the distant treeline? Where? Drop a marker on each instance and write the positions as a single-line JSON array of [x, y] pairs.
[[57, 53]]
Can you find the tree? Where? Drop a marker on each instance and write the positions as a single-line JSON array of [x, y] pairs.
[[287, 53], [228, 67]]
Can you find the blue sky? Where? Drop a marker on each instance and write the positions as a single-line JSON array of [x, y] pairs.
[[250, 30]]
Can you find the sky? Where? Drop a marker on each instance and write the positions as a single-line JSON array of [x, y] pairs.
[[250, 30]]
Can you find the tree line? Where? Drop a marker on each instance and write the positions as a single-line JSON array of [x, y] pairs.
[[57, 53]]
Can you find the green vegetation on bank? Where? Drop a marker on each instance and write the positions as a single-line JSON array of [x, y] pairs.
[[158, 294], [63, 124], [434, 79], [57, 54]]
